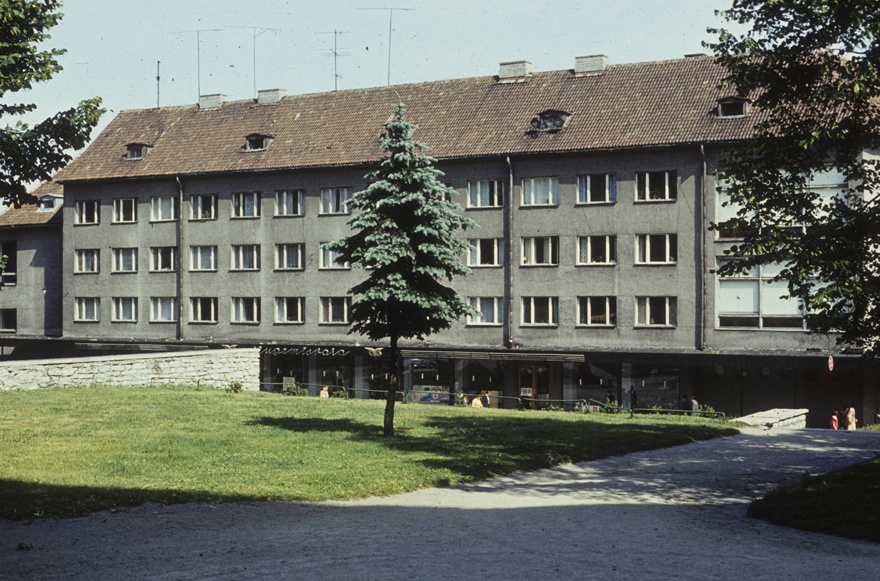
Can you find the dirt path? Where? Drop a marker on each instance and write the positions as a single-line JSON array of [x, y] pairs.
[[677, 513]]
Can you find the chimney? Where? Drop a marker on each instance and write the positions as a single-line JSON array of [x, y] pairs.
[[270, 96], [514, 70], [212, 101], [595, 63]]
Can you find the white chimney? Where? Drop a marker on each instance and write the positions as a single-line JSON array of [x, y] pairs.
[[590, 64], [270, 96], [212, 101], [514, 70]]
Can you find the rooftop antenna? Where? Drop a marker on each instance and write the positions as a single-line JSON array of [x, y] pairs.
[[157, 83], [390, 20], [255, 31], [198, 53], [336, 54]]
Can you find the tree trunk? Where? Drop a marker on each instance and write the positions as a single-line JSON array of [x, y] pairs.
[[391, 398]]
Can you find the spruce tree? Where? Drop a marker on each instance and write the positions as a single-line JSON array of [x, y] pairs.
[[405, 226]]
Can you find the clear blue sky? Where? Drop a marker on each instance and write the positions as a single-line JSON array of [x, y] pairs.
[[113, 45]]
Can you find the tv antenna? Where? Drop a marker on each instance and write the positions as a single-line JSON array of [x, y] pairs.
[[336, 54], [390, 21], [255, 31], [158, 63], [198, 54]]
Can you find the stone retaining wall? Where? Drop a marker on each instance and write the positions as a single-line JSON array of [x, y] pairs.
[[777, 418], [217, 368]]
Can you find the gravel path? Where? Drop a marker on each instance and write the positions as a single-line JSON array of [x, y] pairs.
[[677, 513]]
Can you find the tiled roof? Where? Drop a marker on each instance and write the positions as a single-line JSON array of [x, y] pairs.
[[624, 106], [30, 214]]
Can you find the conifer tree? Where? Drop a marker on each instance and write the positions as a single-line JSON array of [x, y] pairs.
[[405, 226]]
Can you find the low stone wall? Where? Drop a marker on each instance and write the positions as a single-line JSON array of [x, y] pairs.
[[217, 368], [777, 418]]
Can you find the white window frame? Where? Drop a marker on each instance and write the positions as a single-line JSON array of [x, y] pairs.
[[535, 248], [333, 306], [587, 244], [284, 253], [648, 244], [662, 308], [163, 209], [159, 306], [663, 182], [330, 259], [485, 194], [87, 261], [8, 320], [289, 203], [528, 312], [245, 310], [122, 257], [163, 259], [245, 205], [197, 256], [493, 304], [485, 252], [290, 310], [530, 191], [334, 201], [597, 311], [203, 309], [87, 309], [244, 254], [8, 275], [87, 212], [125, 310], [124, 211], [597, 188], [757, 302], [203, 207]]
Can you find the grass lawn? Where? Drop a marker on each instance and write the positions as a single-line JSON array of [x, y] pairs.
[[66, 452], [844, 503]]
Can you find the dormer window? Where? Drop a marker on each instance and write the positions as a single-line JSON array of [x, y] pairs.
[[550, 120], [733, 107], [47, 203], [135, 151], [257, 142]]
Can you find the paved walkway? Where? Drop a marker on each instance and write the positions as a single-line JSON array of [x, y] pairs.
[[677, 513]]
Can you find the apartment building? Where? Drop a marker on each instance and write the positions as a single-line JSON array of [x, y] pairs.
[[593, 263]]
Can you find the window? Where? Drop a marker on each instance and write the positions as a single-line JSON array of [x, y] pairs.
[[289, 203], [135, 151], [246, 205], [86, 261], [124, 310], [125, 259], [86, 212], [754, 300], [656, 248], [163, 209], [87, 309], [245, 310], [257, 142], [163, 310], [245, 257], [203, 309], [335, 201], [124, 210], [289, 310], [550, 120], [540, 192], [8, 320], [656, 186], [203, 207], [485, 194], [334, 310], [8, 276], [203, 258], [732, 107], [540, 251], [598, 188], [490, 311], [486, 252], [289, 256], [540, 310], [597, 250], [163, 259], [331, 259], [597, 311], [47, 203], [656, 311]]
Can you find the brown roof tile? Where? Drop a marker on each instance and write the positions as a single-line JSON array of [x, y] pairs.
[[29, 214], [631, 105]]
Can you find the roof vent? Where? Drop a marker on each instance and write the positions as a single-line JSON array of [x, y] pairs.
[[514, 70], [212, 101], [595, 63], [270, 96]]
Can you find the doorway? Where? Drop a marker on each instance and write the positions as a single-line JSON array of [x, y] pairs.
[[534, 385]]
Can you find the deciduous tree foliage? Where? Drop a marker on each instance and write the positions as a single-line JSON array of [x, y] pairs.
[[810, 68], [33, 153], [405, 233]]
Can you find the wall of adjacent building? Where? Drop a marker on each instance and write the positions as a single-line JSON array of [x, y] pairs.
[[38, 287]]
